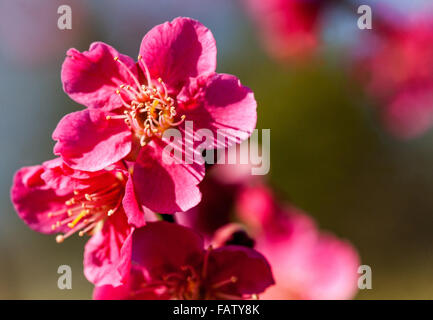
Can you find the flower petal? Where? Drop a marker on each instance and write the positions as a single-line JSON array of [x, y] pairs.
[[177, 50], [92, 77], [220, 102], [250, 269], [164, 187], [301, 267], [87, 141], [410, 112], [58, 176], [135, 214], [161, 244], [108, 292], [33, 200], [132, 289], [107, 254]]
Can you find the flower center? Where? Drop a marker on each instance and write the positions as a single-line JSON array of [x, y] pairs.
[[148, 109], [183, 285], [190, 283], [88, 208]]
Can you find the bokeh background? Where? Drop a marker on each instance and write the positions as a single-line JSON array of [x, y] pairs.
[[329, 153]]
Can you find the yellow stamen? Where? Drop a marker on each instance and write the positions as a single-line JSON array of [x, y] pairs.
[[78, 218]]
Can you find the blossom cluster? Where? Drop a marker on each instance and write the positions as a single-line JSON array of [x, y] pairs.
[[109, 181]]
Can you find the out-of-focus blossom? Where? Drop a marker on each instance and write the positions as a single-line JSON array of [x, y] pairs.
[[290, 29], [130, 105], [53, 198], [29, 32], [307, 263], [398, 72], [169, 262], [215, 208]]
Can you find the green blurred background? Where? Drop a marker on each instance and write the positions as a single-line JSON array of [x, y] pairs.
[[329, 154]]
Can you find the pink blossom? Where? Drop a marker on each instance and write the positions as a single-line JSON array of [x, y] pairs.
[[130, 105], [397, 73], [307, 263], [53, 198], [169, 262], [290, 29]]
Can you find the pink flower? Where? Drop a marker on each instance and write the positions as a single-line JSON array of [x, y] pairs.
[[307, 264], [169, 262], [53, 198], [290, 29], [398, 75], [130, 105]]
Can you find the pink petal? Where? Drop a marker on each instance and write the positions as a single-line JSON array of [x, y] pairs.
[[107, 254], [33, 200], [220, 102], [133, 289], [161, 244], [86, 140], [301, 257], [302, 267], [108, 292], [162, 187], [256, 206], [178, 50], [135, 214], [289, 28], [410, 114], [92, 77], [334, 254], [252, 271], [58, 176]]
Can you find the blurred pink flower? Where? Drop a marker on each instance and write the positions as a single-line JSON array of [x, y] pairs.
[[53, 198], [169, 262], [290, 29], [398, 73], [307, 264], [130, 105]]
